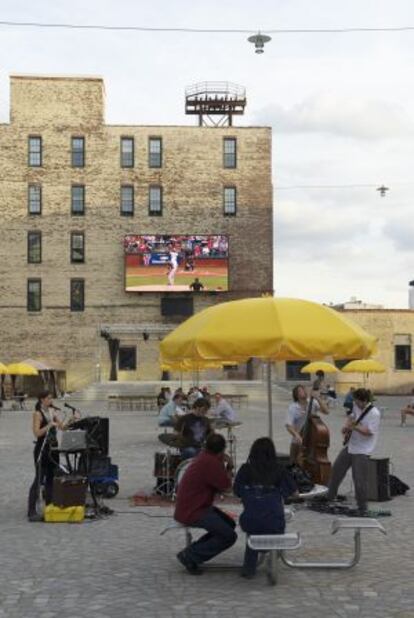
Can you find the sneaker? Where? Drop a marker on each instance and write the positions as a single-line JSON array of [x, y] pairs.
[[188, 564]]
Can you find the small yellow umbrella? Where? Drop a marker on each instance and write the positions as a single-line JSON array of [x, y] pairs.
[[319, 366], [365, 366], [21, 369], [3, 369], [368, 365]]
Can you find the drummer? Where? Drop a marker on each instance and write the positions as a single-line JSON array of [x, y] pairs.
[[223, 409], [193, 429]]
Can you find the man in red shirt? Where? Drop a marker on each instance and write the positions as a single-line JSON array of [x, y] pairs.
[[208, 474]]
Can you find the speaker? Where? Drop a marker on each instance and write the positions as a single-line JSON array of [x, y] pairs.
[[183, 306], [97, 432], [379, 480]]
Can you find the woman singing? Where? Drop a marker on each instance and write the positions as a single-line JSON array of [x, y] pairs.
[[45, 426], [262, 485]]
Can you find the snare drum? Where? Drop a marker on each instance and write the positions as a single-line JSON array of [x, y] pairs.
[[166, 464]]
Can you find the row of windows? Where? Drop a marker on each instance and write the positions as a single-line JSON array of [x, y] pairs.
[[127, 200], [77, 295], [127, 152], [34, 247]]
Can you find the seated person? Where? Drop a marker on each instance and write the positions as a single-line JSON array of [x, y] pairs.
[[207, 475], [407, 410], [161, 398], [349, 400], [193, 429], [205, 393], [262, 485], [170, 411], [193, 394], [223, 409]]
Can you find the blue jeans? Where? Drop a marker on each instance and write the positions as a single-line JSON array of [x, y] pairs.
[[220, 536]]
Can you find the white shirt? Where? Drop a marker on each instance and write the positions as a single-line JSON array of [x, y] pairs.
[[296, 415], [361, 444], [224, 410]]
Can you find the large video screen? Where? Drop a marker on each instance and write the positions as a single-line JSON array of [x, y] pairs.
[[161, 263]]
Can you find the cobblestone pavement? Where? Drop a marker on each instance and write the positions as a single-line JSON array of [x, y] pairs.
[[121, 566]]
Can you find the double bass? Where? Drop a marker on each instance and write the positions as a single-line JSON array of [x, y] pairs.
[[313, 456]]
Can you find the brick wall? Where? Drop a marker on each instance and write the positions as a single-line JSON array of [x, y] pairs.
[[192, 178]]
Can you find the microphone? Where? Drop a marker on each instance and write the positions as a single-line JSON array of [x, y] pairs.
[[54, 407], [70, 407]]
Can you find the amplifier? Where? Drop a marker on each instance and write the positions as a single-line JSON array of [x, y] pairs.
[[69, 490], [379, 479]]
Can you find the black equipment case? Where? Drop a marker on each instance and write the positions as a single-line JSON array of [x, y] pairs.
[[69, 490]]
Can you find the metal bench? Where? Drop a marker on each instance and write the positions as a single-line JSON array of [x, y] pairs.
[[356, 524], [274, 545]]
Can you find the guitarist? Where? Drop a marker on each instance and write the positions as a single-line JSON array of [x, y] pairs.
[[360, 438]]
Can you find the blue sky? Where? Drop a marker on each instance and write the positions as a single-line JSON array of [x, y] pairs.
[[340, 106]]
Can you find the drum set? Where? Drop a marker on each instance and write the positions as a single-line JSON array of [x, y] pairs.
[[169, 465]]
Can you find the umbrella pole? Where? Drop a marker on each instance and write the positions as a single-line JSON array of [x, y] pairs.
[[269, 398]]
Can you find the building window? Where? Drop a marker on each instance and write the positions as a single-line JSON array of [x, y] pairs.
[[230, 152], [127, 359], [127, 200], [78, 200], [77, 294], [229, 201], [155, 201], [403, 357], [78, 152], [293, 371], [35, 151], [34, 295], [34, 247], [35, 200], [127, 152], [77, 247], [155, 152]]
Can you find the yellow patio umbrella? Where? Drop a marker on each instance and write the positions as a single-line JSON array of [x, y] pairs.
[[319, 366], [21, 369], [270, 329], [3, 369], [365, 366]]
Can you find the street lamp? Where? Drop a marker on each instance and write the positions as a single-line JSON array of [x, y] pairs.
[[259, 41]]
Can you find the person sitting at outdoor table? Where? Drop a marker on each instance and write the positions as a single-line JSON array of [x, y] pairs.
[[207, 475], [193, 429], [262, 484], [193, 394], [162, 398], [297, 413], [408, 410], [349, 400], [223, 409], [170, 411]]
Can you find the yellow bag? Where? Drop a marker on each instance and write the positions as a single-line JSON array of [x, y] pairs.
[[69, 514]]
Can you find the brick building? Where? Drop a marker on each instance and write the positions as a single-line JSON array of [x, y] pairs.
[[72, 187]]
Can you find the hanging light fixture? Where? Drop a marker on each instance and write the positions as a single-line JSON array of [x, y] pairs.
[[259, 41], [383, 190]]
